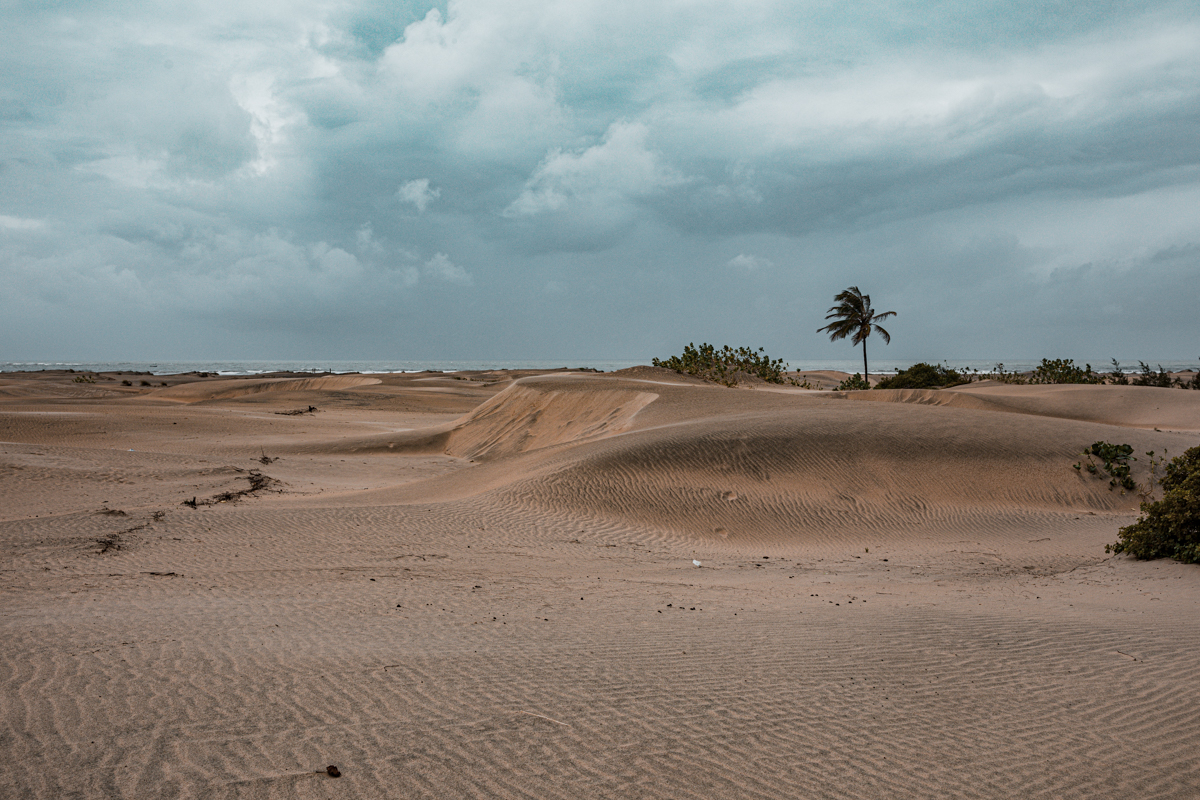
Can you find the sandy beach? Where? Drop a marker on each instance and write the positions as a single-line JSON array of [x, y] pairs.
[[577, 585]]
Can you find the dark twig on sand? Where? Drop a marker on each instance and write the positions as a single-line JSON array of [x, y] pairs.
[[295, 412], [258, 483]]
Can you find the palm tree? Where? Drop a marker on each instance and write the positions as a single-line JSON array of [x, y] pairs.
[[855, 318]]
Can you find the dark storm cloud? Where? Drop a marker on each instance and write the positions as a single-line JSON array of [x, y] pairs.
[[522, 180]]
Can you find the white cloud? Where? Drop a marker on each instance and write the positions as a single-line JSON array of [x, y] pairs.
[[615, 171], [271, 116], [749, 263], [19, 223], [442, 268], [418, 193], [364, 238]]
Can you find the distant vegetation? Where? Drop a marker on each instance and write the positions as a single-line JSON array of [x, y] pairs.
[[725, 366], [1161, 378], [1050, 371], [1063, 370], [1170, 527], [924, 376], [728, 365]]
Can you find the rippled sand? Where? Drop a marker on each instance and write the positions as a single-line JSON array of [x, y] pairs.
[[484, 585]]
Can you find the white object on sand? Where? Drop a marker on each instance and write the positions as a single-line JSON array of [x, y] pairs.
[[694, 561]]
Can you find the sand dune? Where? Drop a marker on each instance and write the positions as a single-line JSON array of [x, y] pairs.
[[525, 417], [483, 585]]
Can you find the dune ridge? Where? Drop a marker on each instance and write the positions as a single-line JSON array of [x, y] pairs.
[[1123, 406], [523, 418]]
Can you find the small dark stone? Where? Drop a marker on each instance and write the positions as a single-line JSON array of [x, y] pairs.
[[333, 771]]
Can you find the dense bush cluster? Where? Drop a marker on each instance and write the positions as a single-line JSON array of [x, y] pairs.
[[725, 365], [1170, 527], [924, 376]]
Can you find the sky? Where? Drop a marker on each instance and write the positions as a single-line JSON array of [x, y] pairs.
[[571, 179]]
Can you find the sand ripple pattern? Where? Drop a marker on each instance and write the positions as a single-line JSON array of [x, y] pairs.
[[796, 700], [893, 600]]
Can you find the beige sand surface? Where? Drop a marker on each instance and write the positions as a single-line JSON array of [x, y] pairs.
[[482, 585]]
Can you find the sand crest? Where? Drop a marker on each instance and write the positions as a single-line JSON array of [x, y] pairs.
[[483, 585]]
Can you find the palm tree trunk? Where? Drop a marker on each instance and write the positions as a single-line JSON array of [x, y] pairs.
[[866, 376]]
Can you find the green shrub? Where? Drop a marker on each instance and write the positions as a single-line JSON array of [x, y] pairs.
[[1117, 376], [924, 376], [1116, 463], [1063, 370], [853, 383], [1170, 527], [1149, 377], [724, 365]]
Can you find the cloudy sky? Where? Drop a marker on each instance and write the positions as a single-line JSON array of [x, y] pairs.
[[571, 179]]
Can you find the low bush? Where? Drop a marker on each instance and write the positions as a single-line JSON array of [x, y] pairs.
[[1170, 527], [724, 366], [1116, 463], [853, 383], [1148, 377], [1117, 376], [924, 376], [1063, 370]]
